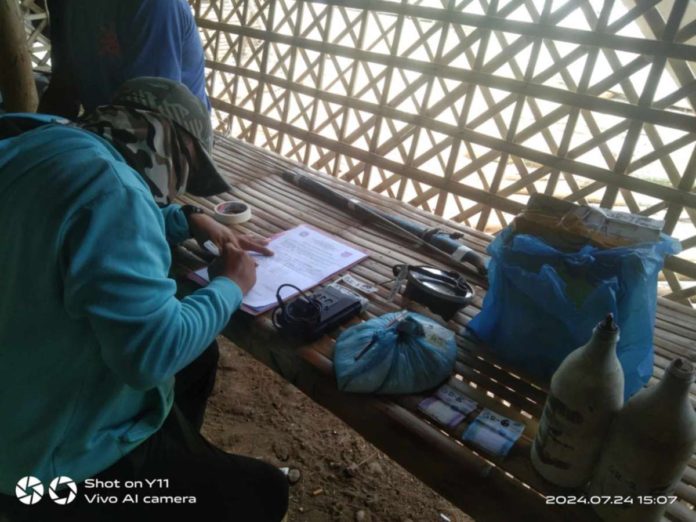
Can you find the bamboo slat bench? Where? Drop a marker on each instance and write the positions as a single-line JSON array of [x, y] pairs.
[[484, 487]]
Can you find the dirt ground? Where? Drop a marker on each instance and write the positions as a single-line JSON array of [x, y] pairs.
[[343, 477]]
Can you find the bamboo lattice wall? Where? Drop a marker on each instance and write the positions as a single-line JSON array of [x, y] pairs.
[[36, 20], [466, 107]]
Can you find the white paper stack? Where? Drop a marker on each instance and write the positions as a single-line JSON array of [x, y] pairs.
[[304, 257]]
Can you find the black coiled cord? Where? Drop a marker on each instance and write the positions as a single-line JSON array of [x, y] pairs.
[[299, 318]]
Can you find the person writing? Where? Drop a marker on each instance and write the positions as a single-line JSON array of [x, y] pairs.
[[92, 337]]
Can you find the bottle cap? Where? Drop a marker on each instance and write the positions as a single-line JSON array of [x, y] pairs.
[[607, 328], [609, 325], [681, 369]]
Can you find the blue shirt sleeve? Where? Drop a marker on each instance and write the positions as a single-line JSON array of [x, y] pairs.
[[175, 224], [116, 278]]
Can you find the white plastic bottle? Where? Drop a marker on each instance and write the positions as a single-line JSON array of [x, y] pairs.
[[648, 447], [586, 392]]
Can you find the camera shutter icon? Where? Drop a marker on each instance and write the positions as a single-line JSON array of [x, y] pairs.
[[29, 490], [62, 490]]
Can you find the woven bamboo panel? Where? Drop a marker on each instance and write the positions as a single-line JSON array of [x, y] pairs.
[[466, 107], [36, 20]]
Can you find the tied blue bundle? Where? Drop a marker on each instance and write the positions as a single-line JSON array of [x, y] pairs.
[[401, 352], [542, 303]]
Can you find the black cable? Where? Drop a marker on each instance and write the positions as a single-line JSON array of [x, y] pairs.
[[298, 318]]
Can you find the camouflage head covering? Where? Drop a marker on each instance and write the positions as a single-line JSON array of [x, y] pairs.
[[175, 101], [150, 144], [171, 99], [154, 122]]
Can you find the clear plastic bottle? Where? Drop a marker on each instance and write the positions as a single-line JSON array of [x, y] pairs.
[[586, 392], [648, 447]]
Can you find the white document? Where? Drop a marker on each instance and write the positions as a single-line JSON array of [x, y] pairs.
[[304, 257], [493, 432]]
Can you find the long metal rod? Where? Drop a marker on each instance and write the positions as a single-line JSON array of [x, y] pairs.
[[445, 246]]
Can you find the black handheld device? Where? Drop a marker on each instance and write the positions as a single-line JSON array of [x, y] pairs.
[[309, 316]]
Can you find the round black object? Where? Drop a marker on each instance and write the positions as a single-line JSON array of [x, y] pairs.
[[442, 292]]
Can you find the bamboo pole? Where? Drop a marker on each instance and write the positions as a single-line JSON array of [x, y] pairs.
[[17, 80]]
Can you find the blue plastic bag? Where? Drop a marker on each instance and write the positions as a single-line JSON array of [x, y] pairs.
[[401, 352], [543, 303]]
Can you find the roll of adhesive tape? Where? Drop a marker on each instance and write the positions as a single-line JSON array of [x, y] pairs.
[[232, 212]]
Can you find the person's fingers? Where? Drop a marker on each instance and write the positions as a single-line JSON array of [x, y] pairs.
[[262, 250], [247, 260], [256, 246], [225, 237], [231, 250], [257, 239]]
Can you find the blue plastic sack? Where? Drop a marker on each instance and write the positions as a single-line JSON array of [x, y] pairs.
[[401, 352], [543, 303]]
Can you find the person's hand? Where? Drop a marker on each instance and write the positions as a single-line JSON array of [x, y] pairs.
[[204, 228], [235, 264]]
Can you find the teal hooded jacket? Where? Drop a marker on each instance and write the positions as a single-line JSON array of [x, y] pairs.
[[91, 333]]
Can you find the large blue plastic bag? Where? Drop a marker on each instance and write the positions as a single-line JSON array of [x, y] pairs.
[[401, 352], [543, 303]]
